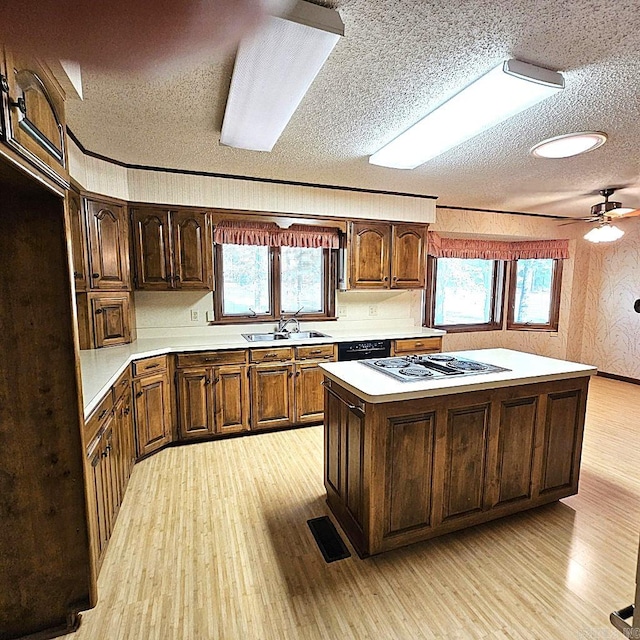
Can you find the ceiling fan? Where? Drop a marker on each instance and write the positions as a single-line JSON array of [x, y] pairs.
[[603, 213], [607, 210]]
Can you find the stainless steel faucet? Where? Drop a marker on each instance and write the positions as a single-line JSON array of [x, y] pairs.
[[282, 323]]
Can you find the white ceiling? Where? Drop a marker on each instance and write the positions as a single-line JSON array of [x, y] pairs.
[[398, 60]]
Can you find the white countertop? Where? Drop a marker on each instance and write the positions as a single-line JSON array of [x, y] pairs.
[[525, 368], [101, 367]]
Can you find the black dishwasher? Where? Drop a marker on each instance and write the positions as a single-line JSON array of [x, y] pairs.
[[361, 350]]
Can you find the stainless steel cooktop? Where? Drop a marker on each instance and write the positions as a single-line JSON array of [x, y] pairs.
[[413, 368]]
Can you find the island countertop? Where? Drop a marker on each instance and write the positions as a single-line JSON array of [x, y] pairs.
[[524, 368]]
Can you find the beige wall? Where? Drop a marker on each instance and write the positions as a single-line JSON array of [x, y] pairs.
[[599, 286]]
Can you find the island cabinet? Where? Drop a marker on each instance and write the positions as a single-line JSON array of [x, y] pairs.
[[401, 472], [387, 256], [172, 249], [213, 394], [152, 404], [34, 118]]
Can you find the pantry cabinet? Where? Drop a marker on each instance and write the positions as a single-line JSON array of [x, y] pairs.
[[172, 249], [387, 256]]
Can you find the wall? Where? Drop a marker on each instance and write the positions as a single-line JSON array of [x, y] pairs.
[[611, 336]]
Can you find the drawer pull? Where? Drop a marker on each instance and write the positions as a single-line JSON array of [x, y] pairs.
[[211, 359], [151, 366], [315, 352]]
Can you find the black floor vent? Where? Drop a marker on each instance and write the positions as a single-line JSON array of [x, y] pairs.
[[329, 541]]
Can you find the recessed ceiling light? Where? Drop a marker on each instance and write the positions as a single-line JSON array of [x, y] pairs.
[[571, 144]]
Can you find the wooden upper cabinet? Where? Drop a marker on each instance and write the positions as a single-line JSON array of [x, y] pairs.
[[108, 246], [408, 259], [387, 256], [78, 241], [35, 122], [172, 249], [151, 248], [192, 250], [370, 251], [111, 319]]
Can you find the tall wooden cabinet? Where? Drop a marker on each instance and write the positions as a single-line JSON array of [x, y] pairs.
[[172, 249], [387, 256]]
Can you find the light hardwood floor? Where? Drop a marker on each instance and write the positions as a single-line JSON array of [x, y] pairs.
[[212, 543]]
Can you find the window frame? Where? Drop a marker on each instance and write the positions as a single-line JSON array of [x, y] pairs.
[[329, 268], [554, 305], [497, 300]]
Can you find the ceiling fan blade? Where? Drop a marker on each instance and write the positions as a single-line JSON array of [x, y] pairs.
[[574, 220], [628, 214]]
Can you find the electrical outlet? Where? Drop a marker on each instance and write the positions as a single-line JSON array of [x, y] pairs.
[[195, 315], [373, 309], [342, 312]]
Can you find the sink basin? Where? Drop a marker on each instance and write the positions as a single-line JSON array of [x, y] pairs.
[[299, 335]]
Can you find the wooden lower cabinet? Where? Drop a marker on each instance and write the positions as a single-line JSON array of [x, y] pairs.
[[402, 472], [212, 401], [272, 393], [309, 395], [152, 402], [416, 346], [126, 451]]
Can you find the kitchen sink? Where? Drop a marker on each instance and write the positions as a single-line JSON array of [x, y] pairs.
[[294, 335]]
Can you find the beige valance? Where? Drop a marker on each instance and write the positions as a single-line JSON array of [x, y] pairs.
[[271, 235], [473, 248]]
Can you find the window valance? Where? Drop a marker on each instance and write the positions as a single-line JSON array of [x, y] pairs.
[[271, 235], [473, 248]]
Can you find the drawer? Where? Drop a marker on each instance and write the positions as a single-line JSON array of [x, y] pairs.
[[95, 420], [316, 352], [122, 384], [149, 365], [271, 355], [415, 345], [212, 358]]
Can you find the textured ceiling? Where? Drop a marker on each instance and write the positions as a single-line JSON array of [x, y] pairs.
[[398, 60]]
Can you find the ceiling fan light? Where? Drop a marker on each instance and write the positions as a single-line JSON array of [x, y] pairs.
[[604, 233], [568, 145]]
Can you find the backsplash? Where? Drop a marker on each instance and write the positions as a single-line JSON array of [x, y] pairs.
[[162, 313]]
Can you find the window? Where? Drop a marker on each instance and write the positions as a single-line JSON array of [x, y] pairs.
[[262, 283], [465, 294], [534, 294]]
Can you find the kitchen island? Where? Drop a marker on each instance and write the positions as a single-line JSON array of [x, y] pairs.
[[408, 461]]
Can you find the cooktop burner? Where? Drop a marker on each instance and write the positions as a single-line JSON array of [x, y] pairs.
[[435, 366]]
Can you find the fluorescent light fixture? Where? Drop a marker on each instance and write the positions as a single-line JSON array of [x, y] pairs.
[[499, 94], [274, 67], [604, 233], [571, 144]]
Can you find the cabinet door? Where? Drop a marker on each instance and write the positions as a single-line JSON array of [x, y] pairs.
[[192, 250], [108, 246], [99, 529], [309, 393], [369, 256], [231, 399], [152, 413], [113, 488], [151, 248], [408, 260], [111, 319], [78, 241], [271, 395], [195, 402], [125, 450], [36, 126]]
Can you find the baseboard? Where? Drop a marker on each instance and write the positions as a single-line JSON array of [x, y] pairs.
[[615, 376]]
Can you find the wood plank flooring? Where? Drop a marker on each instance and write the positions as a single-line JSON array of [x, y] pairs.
[[212, 542]]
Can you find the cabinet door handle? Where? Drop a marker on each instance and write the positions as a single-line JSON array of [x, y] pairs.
[[19, 104], [176, 278], [77, 274], [291, 374], [98, 312], [207, 381], [395, 278], [297, 373], [216, 381], [352, 407], [103, 414], [385, 278], [95, 275], [127, 411], [139, 394]]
